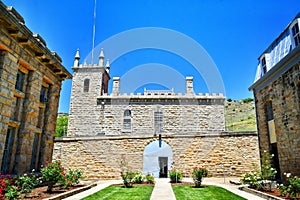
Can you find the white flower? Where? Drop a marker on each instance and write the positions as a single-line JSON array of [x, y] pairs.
[[288, 175]]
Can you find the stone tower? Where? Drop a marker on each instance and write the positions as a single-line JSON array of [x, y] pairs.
[[89, 82]]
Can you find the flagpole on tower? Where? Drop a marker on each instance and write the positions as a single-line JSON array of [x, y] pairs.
[[94, 31]]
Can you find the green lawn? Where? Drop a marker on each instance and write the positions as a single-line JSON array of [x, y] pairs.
[[203, 193], [118, 192]]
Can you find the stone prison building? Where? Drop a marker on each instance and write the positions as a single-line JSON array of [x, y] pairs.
[[30, 82], [150, 131]]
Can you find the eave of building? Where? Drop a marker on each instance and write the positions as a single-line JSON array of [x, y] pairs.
[[281, 67], [34, 43]]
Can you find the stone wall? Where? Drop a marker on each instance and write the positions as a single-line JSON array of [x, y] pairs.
[[181, 114], [99, 157], [27, 121], [284, 95], [187, 116]]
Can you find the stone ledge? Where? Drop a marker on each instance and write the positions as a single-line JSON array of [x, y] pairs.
[[258, 193], [72, 192], [118, 137]]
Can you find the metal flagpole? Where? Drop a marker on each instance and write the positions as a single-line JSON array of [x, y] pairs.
[[94, 31]]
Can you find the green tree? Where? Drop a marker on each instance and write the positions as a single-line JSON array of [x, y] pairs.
[[62, 125]]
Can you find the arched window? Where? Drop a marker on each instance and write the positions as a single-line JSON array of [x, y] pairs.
[[86, 85], [127, 120]]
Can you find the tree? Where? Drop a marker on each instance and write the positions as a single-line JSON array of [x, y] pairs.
[[62, 125]]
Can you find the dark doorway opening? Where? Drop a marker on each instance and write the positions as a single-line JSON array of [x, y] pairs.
[[163, 167], [275, 160]]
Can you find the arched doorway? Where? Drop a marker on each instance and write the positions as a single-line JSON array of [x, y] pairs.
[[158, 157]]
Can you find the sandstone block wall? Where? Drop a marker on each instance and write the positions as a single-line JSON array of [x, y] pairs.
[[181, 115], [99, 157], [24, 115], [284, 94]]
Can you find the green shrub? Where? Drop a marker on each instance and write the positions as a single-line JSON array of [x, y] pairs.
[[175, 175], [149, 179], [127, 178], [197, 174], [72, 177], [257, 179], [291, 188], [26, 183], [12, 192], [253, 179], [138, 178], [53, 173]]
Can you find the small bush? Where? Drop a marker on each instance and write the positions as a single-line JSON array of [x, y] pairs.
[[149, 179], [127, 177], [198, 174], [26, 183], [229, 100], [53, 173], [291, 188], [175, 175], [72, 177], [252, 179], [138, 178]]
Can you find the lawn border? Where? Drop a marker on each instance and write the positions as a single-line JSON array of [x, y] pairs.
[[72, 192], [259, 193]]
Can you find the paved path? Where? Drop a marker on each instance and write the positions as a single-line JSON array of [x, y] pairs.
[[162, 190]]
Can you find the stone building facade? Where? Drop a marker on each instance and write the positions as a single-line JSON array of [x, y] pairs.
[[151, 131], [30, 78], [277, 98]]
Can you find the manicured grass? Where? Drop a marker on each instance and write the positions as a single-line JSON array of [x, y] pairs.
[[206, 192], [118, 192]]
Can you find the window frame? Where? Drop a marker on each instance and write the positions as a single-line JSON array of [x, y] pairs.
[[158, 121], [127, 120], [86, 85], [296, 33]]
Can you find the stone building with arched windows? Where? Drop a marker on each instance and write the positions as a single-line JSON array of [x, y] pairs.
[[151, 131]]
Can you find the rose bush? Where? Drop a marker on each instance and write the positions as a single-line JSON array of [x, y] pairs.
[[198, 174]]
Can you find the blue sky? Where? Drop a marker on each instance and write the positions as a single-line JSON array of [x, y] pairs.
[[234, 33]]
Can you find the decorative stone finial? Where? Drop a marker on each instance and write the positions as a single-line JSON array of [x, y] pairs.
[[107, 66], [77, 58], [116, 86], [101, 58], [189, 86]]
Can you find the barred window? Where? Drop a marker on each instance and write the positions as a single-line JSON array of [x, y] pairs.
[[86, 85], [127, 120], [20, 80], [269, 111], [158, 121]]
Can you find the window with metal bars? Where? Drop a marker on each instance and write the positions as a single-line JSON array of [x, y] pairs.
[[127, 120], [158, 121]]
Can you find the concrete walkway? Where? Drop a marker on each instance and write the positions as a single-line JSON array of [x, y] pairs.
[[162, 190]]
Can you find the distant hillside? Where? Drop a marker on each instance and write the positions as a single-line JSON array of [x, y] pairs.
[[240, 115]]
